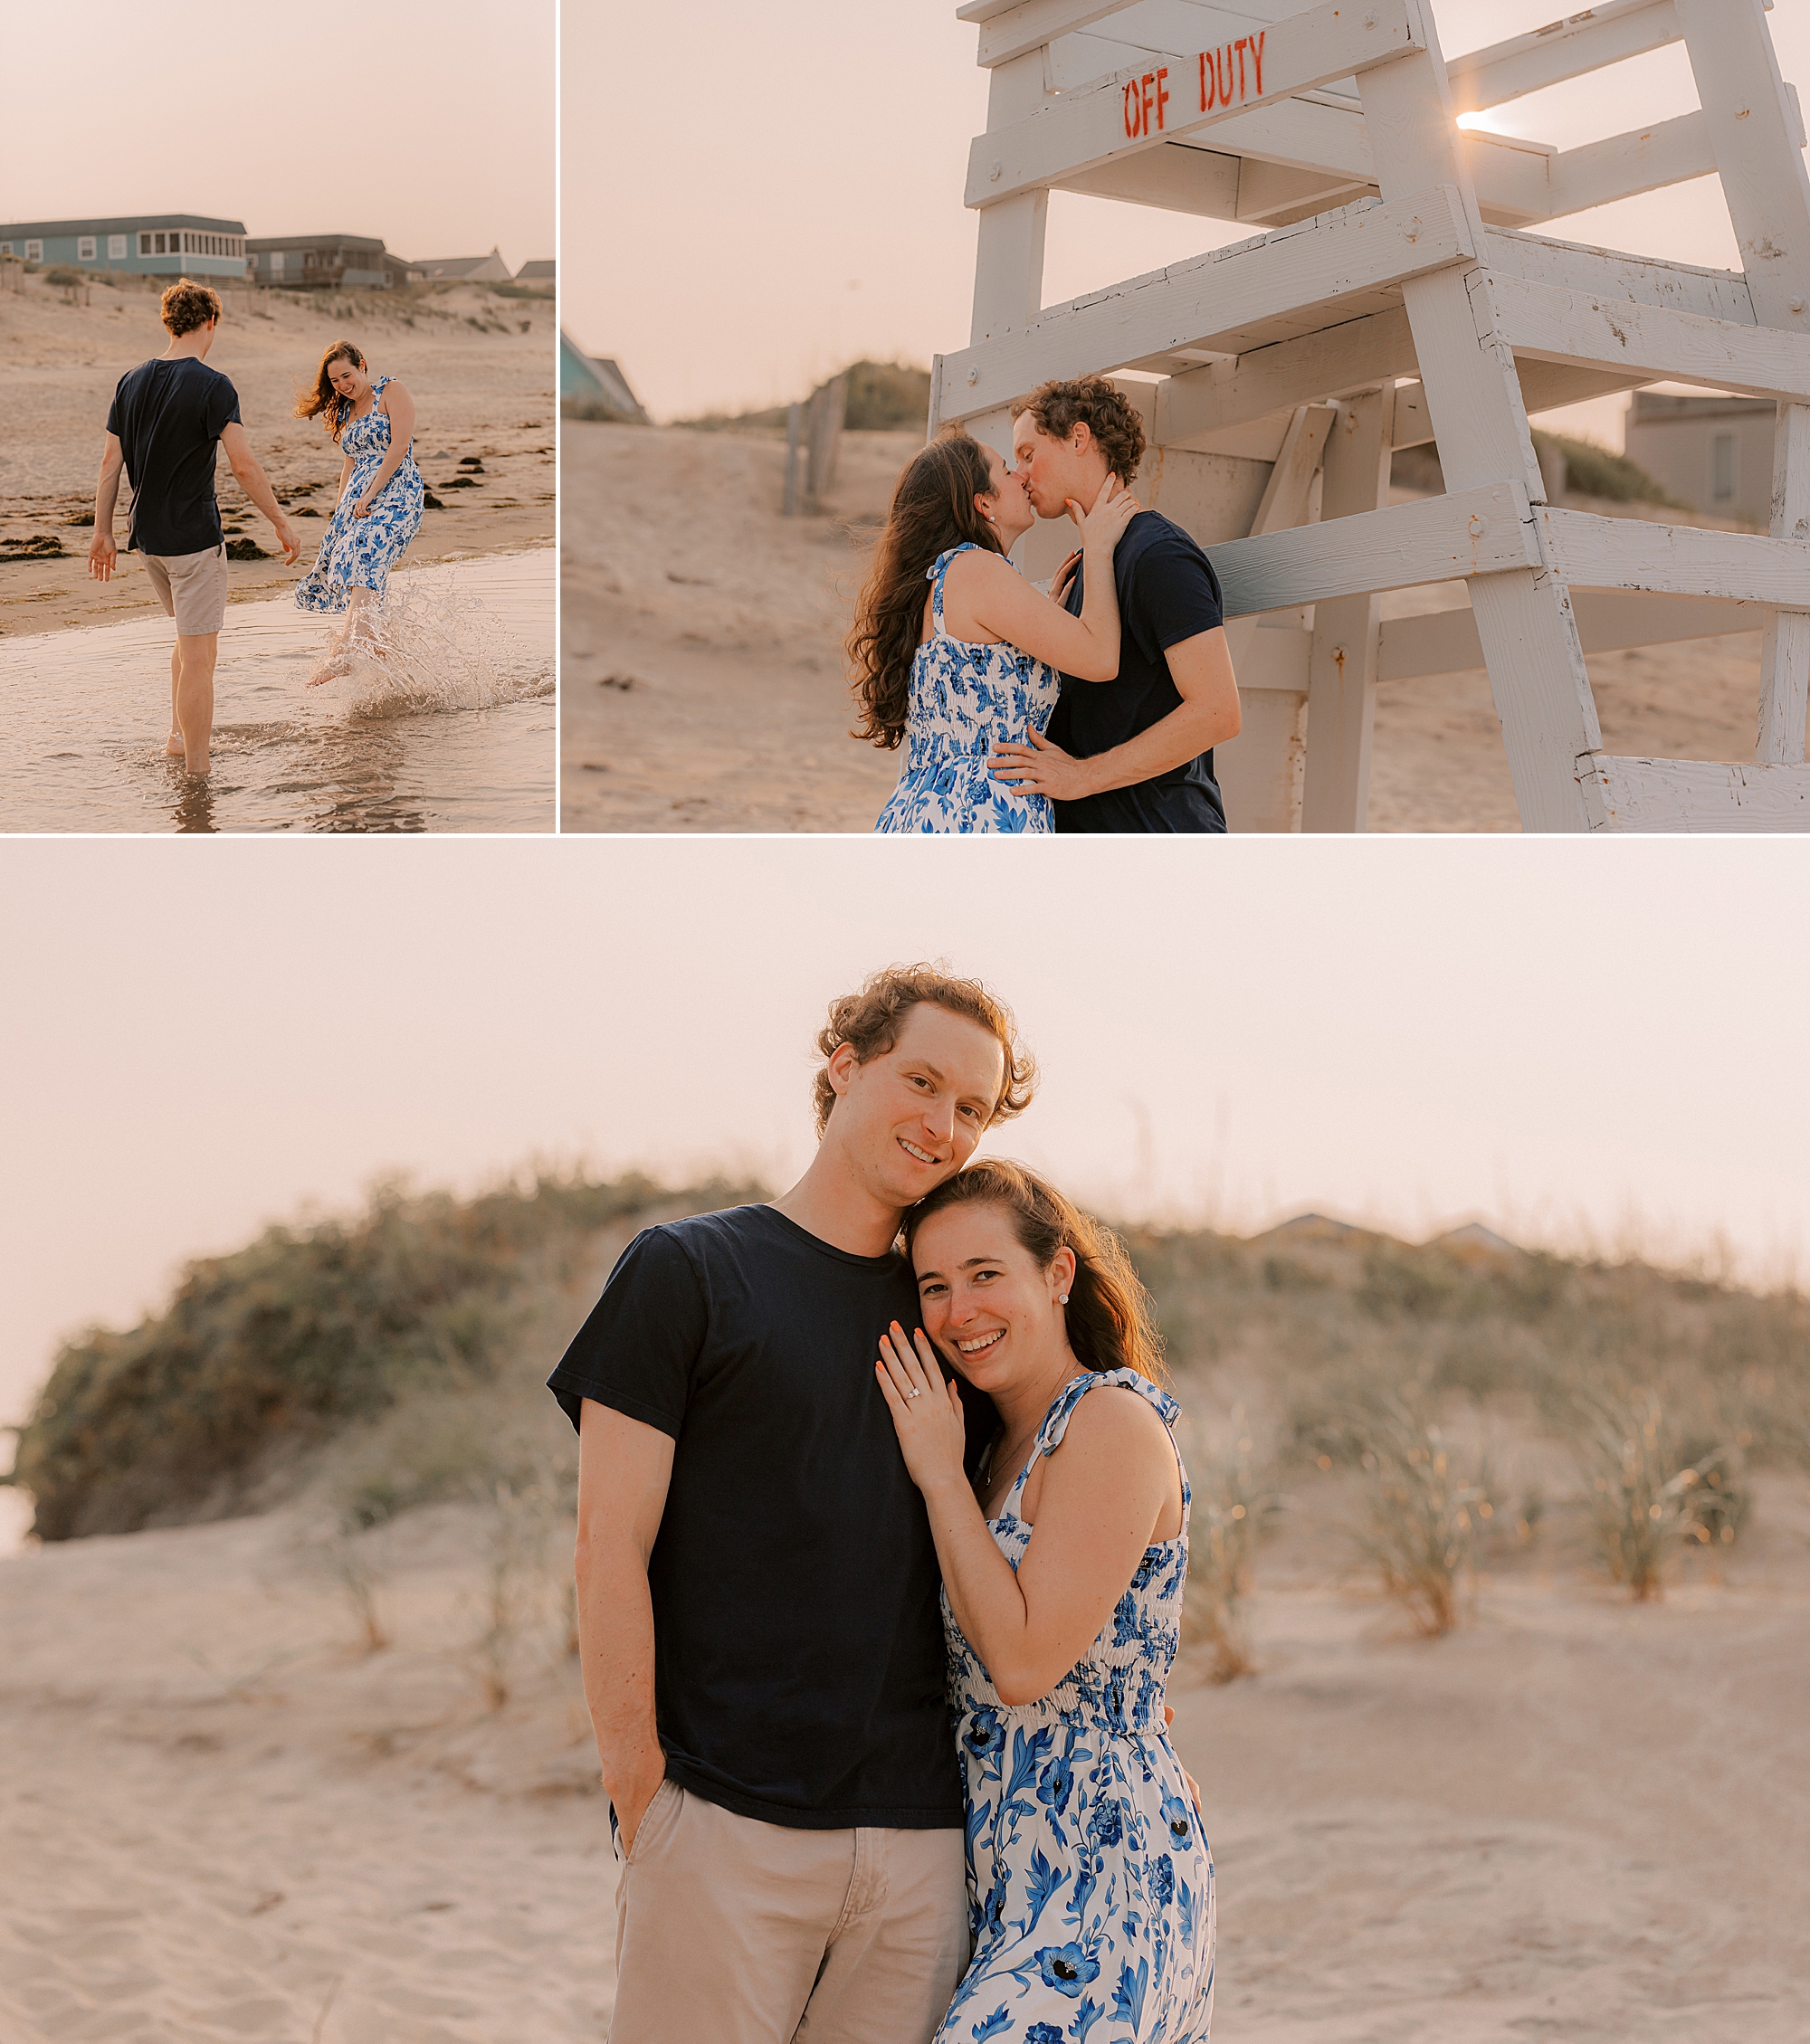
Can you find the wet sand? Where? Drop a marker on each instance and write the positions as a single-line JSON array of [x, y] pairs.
[[1576, 1819], [704, 676], [453, 731], [479, 367]]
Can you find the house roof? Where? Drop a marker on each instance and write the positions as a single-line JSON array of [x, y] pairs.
[[366, 243], [454, 265], [124, 223], [535, 273]]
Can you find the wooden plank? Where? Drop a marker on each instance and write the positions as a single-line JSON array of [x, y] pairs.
[[1323, 363], [1179, 180], [1644, 159], [1008, 262], [1140, 111], [1678, 287], [1301, 271], [1652, 342], [1562, 48], [1412, 649], [1260, 771], [1481, 532], [1131, 32], [1529, 633], [1674, 560], [1342, 663], [1009, 31], [1697, 794], [1784, 645]]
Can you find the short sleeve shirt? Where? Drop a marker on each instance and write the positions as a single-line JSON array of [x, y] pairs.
[[1167, 592], [799, 1671], [168, 416]]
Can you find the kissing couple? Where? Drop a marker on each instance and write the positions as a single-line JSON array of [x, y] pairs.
[[882, 1542], [1095, 706]]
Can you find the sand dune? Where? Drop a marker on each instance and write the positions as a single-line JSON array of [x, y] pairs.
[[1576, 1818], [703, 658], [481, 369]]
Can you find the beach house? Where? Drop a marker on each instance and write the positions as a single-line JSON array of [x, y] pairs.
[[541, 272], [159, 244], [1713, 453], [357, 263], [595, 379], [466, 269]]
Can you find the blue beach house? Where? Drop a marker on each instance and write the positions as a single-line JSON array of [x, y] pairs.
[[148, 244]]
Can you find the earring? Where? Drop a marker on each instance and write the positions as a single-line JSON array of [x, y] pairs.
[[1062, 1298]]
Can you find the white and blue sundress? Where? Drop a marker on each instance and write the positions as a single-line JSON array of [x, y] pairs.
[[359, 553], [1090, 1885], [966, 698]]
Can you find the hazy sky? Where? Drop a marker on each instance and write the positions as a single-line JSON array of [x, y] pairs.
[[428, 123], [791, 201], [1409, 1032]]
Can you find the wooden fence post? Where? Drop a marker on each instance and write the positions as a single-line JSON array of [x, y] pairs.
[[795, 427], [829, 408]]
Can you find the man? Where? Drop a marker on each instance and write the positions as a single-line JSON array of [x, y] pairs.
[[167, 416], [758, 1588], [1135, 753]]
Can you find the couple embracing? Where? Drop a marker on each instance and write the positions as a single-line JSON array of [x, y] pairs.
[[882, 1552], [1095, 706]]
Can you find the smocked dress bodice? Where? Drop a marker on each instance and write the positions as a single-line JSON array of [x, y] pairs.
[[966, 698]]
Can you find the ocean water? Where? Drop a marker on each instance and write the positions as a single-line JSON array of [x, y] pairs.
[[452, 729]]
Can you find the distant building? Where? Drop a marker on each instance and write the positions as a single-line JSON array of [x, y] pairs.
[[535, 273], [148, 244], [466, 269], [1714, 453], [355, 262], [597, 376]]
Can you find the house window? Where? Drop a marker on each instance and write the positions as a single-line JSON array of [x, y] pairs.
[[6, 248], [276, 259], [250, 263], [35, 251], [115, 248], [1723, 467], [308, 259], [84, 248]]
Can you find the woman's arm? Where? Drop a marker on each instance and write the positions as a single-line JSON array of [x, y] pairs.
[[984, 591], [399, 409], [345, 477], [1102, 1497]]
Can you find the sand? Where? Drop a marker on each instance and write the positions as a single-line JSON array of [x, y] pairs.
[[1575, 1818], [702, 669], [484, 391]]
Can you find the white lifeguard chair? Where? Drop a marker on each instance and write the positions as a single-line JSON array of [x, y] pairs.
[[1395, 295]]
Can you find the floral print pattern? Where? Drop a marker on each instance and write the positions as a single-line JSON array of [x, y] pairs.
[[965, 699], [359, 553], [1090, 1885]]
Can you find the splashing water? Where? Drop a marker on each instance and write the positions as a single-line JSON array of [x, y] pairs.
[[437, 648]]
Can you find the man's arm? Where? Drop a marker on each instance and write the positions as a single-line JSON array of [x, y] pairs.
[[1207, 716], [253, 482], [623, 1470], [103, 553]]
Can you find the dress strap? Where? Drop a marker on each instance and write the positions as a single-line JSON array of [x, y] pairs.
[[935, 573], [1056, 1425]]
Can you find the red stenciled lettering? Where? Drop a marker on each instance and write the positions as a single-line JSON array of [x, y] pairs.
[[1145, 83], [1131, 111], [1257, 57], [1239, 46], [1162, 96], [1205, 102], [1223, 79]]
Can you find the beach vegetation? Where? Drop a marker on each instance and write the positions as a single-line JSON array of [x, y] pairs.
[[1232, 1506], [1428, 1499]]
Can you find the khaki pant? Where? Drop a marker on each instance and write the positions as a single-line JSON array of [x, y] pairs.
[[191, 588], [729, 1931]]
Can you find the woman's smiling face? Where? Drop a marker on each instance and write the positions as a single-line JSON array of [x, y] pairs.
[[993, 1314], [347, 378]]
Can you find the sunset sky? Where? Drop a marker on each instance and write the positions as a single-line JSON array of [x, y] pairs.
[[1412, 1032], [427, 123], [754, 198]]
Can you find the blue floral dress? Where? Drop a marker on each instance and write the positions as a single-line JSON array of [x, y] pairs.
[[1090, 1885], [359, 553], [965, 699]]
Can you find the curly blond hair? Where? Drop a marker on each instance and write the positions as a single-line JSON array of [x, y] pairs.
[[869, 1020], [188, 305], [1064, 403]]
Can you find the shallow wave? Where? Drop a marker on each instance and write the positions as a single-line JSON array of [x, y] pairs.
[[438, 648]]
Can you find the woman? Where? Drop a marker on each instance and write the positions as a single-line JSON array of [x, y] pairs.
[[1064, 1567], [952, 673], [380, 497]]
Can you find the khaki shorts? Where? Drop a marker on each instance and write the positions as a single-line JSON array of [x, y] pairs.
[[191, 588], [729, 1931]]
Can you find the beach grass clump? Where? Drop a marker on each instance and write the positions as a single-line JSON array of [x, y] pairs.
[[1233, 1504], [1428, 1499], [527, 1597], [1653, 1489]]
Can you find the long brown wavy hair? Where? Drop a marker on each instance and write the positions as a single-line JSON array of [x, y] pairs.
[[932, 511], [1111, 1325], [319, 399]]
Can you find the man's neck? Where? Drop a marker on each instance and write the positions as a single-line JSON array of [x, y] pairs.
[[184, 347], [831, 1203]]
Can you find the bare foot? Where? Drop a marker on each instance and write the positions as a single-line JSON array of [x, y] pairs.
[[172, 746], [200, 773], [330, 669]]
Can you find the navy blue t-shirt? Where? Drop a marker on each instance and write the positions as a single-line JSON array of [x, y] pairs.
[[799, 1640], [168, 416], [1167, 592]]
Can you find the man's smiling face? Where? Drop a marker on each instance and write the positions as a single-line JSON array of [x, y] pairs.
[[910, 1117]]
